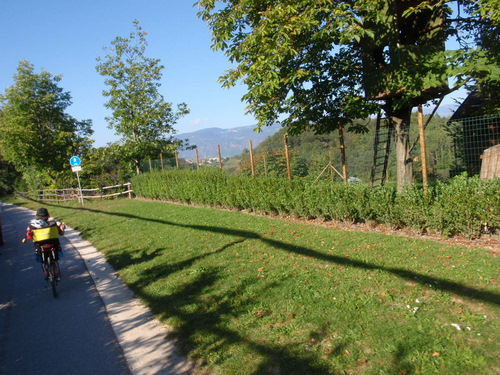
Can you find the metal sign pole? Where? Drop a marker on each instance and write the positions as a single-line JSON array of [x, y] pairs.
[[79, 186], [75, 166]]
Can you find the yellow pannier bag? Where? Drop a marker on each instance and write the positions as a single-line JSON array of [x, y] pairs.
[[43, 234]]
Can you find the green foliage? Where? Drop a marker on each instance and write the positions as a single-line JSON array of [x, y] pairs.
[[465, 206], [9, 177], [485, 34], [140, 115], [320, 64], [105, 167], [38, 137], [306, 59], [292, 59], [415, 208]]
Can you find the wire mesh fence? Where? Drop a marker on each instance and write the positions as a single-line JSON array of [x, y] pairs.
[[471, 137]]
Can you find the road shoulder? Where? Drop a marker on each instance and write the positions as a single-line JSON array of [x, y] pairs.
[[142, 337]]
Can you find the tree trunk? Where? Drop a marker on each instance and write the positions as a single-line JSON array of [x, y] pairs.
[[138, 166], [400, 119]]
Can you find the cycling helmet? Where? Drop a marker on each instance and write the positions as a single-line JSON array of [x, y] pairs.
[[42, 213], [39, 223]]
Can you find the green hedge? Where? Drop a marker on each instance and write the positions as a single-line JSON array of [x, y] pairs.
[[466, 206]]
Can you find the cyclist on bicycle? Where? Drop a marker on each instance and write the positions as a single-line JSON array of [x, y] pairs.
[[45, 230]]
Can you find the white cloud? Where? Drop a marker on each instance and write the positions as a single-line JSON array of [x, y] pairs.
[[198, 121]]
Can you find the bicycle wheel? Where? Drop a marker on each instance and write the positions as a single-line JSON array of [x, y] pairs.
[[52, 276]]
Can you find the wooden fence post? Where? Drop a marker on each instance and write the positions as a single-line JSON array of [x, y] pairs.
[[332, 175], [220, 159], [150, 167], [177, 159], [287, 156], [197, 159], [342, 152], [423, 149], [265, 164], [161, 160], [251, 157]]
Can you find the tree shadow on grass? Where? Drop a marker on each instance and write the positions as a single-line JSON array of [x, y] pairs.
[[436, 283], [206, 321], [119, 259]]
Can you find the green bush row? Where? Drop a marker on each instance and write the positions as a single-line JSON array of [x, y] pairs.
[[465, 206]]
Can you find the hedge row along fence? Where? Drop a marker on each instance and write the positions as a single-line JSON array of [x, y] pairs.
[[461, 206]]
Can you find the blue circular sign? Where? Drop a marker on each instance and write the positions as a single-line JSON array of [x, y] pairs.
[[75, 161]]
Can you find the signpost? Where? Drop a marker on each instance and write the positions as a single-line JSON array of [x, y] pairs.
[[76, 167]]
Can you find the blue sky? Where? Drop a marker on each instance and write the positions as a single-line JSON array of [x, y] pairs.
[[66, 36]]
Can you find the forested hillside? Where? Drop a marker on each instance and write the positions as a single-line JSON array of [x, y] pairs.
[[311, 153]]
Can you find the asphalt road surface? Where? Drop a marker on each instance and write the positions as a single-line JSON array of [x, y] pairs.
[[95, 326]]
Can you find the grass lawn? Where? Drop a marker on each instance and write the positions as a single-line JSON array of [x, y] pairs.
[[255, 295]]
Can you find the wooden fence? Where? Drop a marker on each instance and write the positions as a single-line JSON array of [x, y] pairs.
[[286, 156], [73, 194]]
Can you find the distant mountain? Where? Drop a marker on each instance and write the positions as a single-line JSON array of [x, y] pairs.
[[231, 141]]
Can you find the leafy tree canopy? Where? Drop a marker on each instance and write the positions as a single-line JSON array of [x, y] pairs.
[[38, 136], [140, 115], [318, 64], [305, 58], [8, 177], [106, 167]]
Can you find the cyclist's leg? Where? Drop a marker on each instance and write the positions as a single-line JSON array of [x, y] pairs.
[[46, 262], [50, 266], [38, 252], [45, 269], [59, 253]]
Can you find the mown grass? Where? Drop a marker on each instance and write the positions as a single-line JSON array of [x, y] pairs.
[[247, 294]]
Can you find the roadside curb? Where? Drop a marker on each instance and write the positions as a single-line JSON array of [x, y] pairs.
[[142, 338]]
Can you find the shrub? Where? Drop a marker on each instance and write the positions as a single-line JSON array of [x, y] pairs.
[[466, 206]]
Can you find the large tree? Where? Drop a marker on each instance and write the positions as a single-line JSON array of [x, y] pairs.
[[321, 63], [487, 36], [140, 115], [37, 135], [9, 177]]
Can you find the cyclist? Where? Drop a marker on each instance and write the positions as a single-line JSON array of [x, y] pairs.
[[45, 230]]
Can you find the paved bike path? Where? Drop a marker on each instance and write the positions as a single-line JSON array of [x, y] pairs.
[[95, 326]]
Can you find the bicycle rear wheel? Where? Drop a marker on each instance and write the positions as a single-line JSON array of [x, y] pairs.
[[52, 276]]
